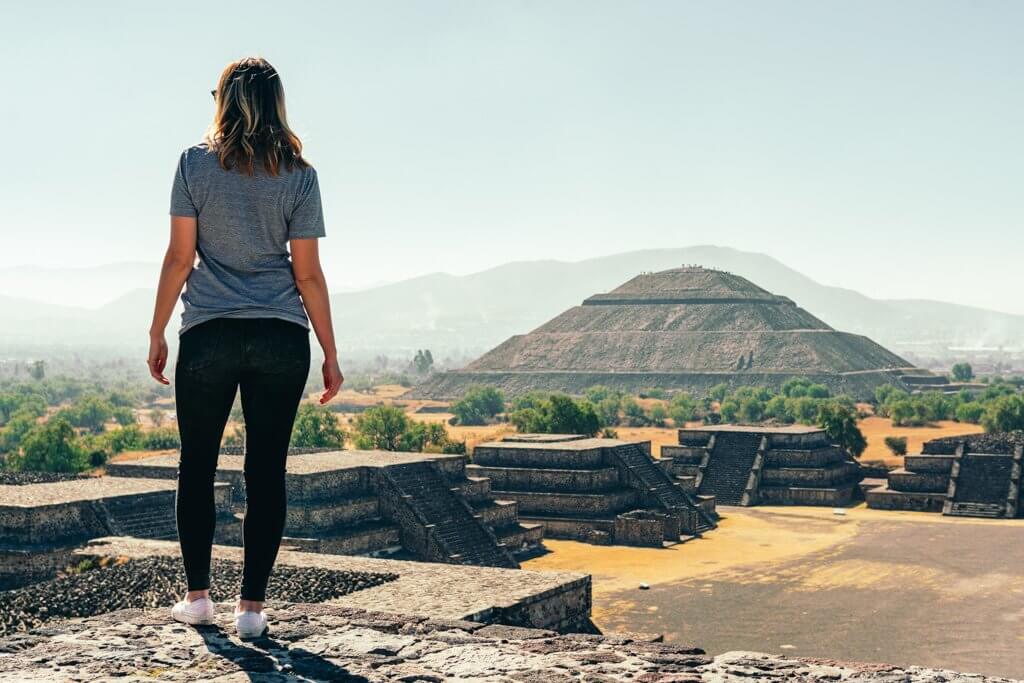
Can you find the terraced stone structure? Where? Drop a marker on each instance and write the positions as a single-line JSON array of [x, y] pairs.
[[681, 329], [975, 476], [595, 490], [42, 523], [741, 465], [378, 502]]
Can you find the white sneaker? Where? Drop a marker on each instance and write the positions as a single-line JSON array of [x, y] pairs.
[[196, 612], [250, 624]]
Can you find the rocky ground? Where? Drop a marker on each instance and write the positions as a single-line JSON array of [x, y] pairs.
[[160, 581], [311, 642]]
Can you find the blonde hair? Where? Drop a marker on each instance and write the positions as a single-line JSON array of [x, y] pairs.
[[250, 121]]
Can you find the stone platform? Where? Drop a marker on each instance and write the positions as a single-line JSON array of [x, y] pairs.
[[41, 523], [553, 600], [750, 465], [379, 502], [976, 476], [589, 489], [322, 642]]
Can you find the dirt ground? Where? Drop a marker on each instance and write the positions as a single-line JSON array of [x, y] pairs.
[[875, 429], [868, 585]]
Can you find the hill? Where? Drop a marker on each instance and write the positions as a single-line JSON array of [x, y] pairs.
[[474, 312]]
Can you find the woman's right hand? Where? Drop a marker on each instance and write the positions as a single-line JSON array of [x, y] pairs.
[[157, 359], [333, 379]]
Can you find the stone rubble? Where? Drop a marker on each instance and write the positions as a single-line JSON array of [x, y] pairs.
[[320, 642]]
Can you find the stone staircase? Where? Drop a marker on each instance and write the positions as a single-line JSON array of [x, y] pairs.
[[657, 484], [982, 485], [441, 515], [155, 520], [729, 468]]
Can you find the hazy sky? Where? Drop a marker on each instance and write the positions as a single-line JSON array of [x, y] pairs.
[[872, 145]]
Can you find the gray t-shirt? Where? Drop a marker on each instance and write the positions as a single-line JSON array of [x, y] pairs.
[[244, 224]]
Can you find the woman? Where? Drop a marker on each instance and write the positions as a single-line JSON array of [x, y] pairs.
[[242, 201]]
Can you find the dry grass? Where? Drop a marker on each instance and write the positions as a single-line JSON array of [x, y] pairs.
[[875, 429]]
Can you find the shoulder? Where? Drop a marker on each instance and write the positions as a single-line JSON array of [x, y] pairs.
[[197, 153], [307, 177]]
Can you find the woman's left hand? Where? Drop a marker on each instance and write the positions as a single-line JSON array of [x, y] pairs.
[[157, 360]]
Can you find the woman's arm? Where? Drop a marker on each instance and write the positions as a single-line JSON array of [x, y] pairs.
[[312, 285], [178, 263]]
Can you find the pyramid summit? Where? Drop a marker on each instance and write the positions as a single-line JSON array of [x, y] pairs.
[[686, 328]]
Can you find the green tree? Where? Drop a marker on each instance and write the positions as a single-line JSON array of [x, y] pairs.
[[316, 427], [51, 447], [557, 414], [896, 444], [161, 438], [840, 423], [803, 409], [124, 416], [608, 410], [573, 417], [381, 427], [682, 409], [970, 412], [37, 370], [902, 413], [751, 410], [1004, 414], [963, 372], [529, 421], [719, 391], [17, 427], [478, 405], [796, 387], [89, 412], [778, 408], [634, 413], [658, 414], [818, 391], [729, 410], [125, 439]]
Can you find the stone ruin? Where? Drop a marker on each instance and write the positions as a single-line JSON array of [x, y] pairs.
[[681, 329], [740, 465], [594, 490], [343, 502], [973, 476]]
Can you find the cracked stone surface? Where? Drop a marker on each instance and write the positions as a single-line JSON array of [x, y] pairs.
[[322, 642]]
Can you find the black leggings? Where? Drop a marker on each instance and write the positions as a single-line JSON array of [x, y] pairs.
[[269, 359]]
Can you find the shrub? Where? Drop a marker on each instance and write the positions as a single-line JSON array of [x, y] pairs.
[[478, 405], [970, 412], [658, 415], [1004, 414], [161, 438], [381, 427], [682, 409], [50, 447], [608, 410], [316, 427], [963, 372], [634, 413], [896, 444], [557, 414]]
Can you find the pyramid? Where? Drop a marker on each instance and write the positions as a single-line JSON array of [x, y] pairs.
[[687, 329]]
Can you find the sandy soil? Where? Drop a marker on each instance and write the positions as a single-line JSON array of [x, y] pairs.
[[866, 585]]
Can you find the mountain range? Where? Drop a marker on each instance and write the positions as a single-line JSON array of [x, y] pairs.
[[468, 314]]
